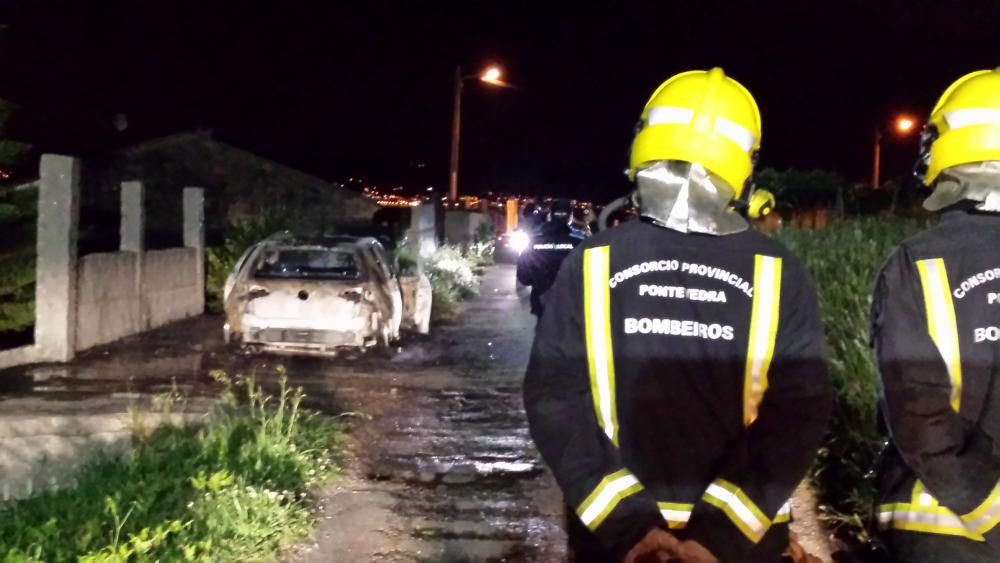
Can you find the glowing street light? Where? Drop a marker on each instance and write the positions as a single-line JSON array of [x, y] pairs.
[[490, 75], [904, 124]]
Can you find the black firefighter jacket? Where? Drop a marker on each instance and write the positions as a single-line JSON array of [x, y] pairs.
[[539, 263], [936, 333], [679, 381]]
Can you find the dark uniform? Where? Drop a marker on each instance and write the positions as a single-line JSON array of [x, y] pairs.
[[539, 263], [935, 329], [678, 380]]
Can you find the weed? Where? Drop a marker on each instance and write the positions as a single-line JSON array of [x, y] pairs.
[[233, 490], [843, 260]]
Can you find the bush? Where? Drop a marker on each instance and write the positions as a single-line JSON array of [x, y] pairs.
[[843, 260], [18, 217], [234, 490], [453, 278], [220, 260]]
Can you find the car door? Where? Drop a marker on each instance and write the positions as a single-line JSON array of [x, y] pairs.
[[387, 266]]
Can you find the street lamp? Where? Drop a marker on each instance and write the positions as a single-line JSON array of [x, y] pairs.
[[490, 76], [903, 125]]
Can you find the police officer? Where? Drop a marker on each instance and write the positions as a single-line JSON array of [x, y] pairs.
[[935, 319], [550, 244], [677, 386]]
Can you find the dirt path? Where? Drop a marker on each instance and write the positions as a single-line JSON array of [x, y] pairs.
[[445, 470]]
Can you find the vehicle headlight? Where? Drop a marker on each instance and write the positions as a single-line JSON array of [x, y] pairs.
[[519, 241]]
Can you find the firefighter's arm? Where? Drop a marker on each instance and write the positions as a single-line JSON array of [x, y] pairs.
[[957, 462], [605, 495], [760, 472]]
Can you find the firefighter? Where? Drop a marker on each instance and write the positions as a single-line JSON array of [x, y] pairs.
[[550, 243], [935, 319], [677, 387]]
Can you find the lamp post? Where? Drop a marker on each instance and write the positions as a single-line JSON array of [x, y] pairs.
[[903, 125], [490, 76]]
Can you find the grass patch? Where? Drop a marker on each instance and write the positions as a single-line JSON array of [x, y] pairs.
[[235, 489], [454, 275], [843, 260]]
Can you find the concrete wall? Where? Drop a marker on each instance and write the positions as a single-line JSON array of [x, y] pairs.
[[422, 234], [44, 450], [107, 298], [461, 227], [101, 297], [172, 289]]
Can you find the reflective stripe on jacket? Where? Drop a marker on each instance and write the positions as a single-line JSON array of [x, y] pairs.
[[935, 319], [678, 380]]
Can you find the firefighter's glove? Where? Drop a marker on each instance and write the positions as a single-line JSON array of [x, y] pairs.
[[657, 546], [691, 551]]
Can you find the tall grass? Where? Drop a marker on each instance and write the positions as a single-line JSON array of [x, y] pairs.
[[843, 260], [233, 490]]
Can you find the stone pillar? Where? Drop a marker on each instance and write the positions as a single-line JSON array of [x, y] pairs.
[[422, 234], [133, 232], [133, 239], [55, 288], [194, 234]]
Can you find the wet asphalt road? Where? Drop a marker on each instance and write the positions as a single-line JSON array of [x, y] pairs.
[[444, 469], [440, 465]]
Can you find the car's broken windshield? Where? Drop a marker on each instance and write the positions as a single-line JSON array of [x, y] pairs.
[[308, 263]]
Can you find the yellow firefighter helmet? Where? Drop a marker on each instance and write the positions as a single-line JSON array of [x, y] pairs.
[[703, 117], [965, 124]]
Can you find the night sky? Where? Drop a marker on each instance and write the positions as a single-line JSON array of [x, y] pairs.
[[344, 91]]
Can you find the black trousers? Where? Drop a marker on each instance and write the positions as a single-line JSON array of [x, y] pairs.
[[918, 547]]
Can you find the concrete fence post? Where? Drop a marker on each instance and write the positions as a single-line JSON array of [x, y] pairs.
[[133, 239], [55, 288], [422, 234], [194, 234]]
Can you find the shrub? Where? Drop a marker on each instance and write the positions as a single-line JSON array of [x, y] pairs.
[[453, 277], [234, 490], [220, 260], [18, 217], [843, 260], [452, 271]]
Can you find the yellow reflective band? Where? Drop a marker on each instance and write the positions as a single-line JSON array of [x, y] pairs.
[[763, 328], [600, 358], [926, 519], [730, 499], [921, 497], [987, 515], [941, 321], [784, 515], [676, 514], [606, 496]]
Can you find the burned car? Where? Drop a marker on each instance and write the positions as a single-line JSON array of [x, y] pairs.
[[318, 296]]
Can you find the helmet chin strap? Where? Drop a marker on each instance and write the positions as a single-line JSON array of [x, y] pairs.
[[684, 197]]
